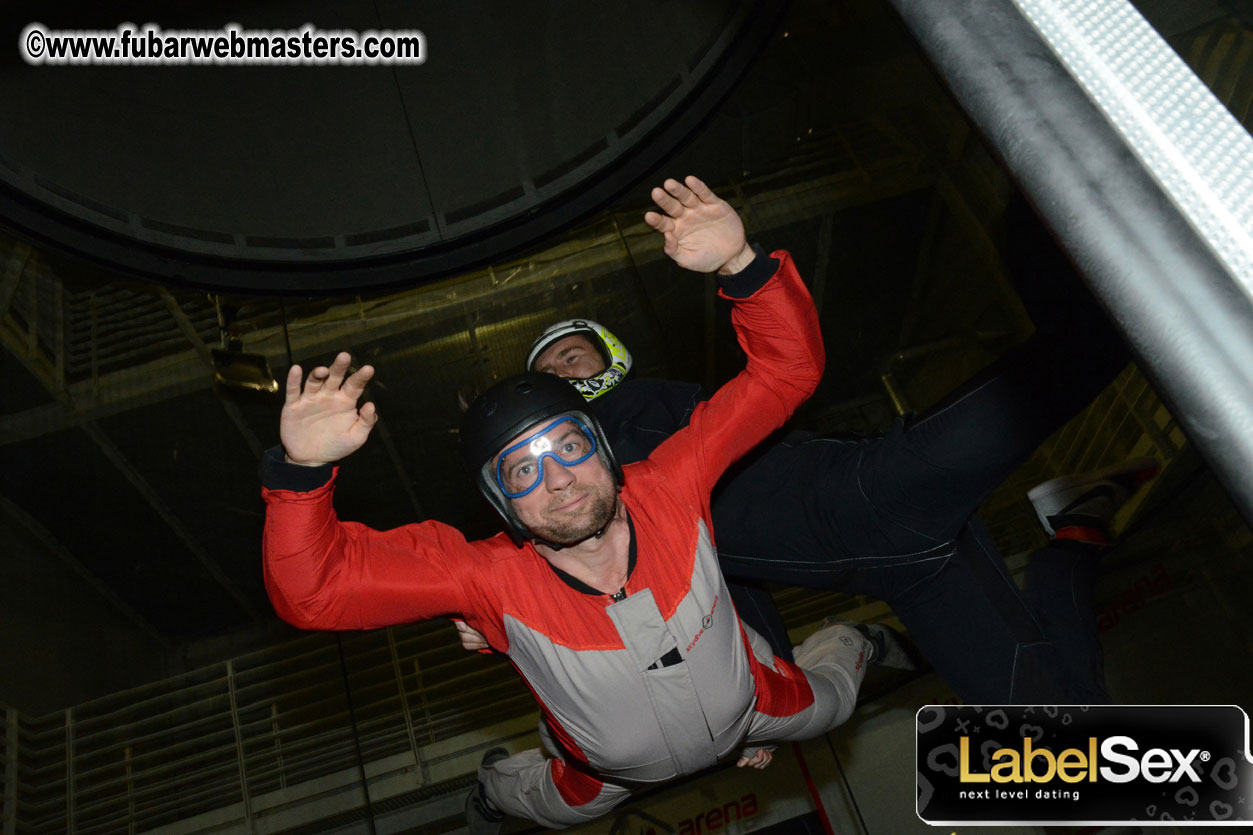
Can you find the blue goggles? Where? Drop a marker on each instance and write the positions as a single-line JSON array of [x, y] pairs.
[[520, 468]]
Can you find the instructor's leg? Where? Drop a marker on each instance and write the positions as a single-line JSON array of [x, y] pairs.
[[929, 474], [1059, 584], [981, 634]]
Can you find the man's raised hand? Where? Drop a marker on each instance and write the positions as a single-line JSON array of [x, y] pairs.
[[702, 231], [322, 424]]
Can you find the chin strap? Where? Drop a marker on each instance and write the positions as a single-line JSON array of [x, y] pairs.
[[593, 387], [613, 515]]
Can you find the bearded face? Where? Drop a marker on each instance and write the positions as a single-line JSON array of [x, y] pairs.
[[572, 518], [562, 491]]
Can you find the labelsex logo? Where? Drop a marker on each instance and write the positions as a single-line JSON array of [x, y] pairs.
[[1039, 765]]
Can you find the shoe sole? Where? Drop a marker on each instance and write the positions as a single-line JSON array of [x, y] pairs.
[[1129, 475], [1132, 474]]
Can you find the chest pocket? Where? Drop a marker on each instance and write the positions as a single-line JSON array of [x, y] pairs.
[[668, 681]]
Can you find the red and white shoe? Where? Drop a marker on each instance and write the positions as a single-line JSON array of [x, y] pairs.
[[1081, 506]]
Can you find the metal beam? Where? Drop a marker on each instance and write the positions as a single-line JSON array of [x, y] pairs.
[[822, 261], [60, 344], [398, 463], [978, 239], [150, 495], [65, 409], [914, 306], [39, 368], [45, 538], [10, 771], [1181, 308], [32, 322], [13, 272], [231, 409]]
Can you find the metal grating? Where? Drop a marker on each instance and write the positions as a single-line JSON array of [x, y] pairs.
[[272, 723]]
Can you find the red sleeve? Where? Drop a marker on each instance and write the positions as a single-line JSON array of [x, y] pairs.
[[322, 573], [777, 326]]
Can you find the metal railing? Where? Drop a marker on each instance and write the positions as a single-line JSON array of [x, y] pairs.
[[255, 734], [266, 740]]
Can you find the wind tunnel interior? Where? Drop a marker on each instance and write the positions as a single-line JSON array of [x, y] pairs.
[[431, 220]]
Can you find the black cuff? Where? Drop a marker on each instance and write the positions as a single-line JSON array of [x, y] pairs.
[[752, 278], [277, 474]]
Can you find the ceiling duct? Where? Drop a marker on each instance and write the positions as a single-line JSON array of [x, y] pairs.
[[524, 118]]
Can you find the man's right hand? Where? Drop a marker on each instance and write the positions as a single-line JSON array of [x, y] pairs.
[[322, 424]]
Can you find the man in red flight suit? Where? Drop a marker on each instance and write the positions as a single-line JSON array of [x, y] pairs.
[[605, 591]]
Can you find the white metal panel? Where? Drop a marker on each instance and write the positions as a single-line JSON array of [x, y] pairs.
[[1192, 145]]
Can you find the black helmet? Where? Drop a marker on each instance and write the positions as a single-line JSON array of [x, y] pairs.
[[505, 411]]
